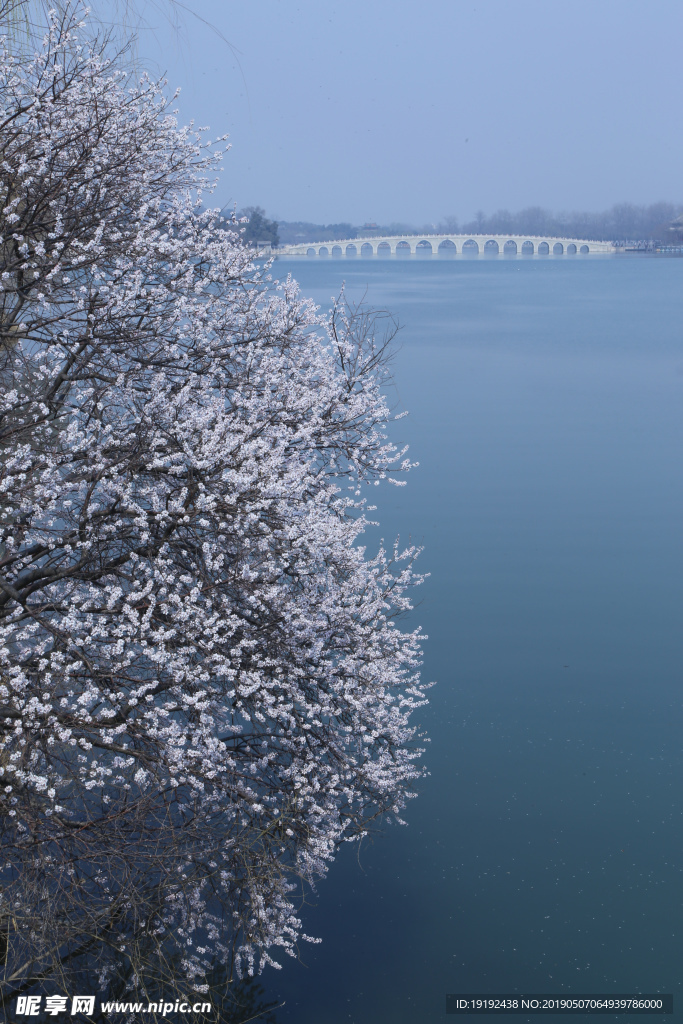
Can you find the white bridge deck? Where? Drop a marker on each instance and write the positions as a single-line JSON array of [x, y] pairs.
[[450, 244]]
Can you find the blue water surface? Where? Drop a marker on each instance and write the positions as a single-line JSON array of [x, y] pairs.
[[544, 852]]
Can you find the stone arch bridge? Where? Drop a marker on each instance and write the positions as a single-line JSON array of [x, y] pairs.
[[448, 244]]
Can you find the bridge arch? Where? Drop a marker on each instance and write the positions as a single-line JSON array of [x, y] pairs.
[[444, 244]]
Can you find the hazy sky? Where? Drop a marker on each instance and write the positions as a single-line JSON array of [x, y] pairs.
[[412, 110]]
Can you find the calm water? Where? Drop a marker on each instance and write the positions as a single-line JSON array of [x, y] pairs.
[[545, 850]]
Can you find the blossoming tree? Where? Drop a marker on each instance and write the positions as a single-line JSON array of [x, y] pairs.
[[203, 686]]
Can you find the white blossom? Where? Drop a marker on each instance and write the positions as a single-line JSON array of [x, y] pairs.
[[203, 686]]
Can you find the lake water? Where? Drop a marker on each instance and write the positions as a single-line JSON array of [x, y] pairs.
[[545, 851]]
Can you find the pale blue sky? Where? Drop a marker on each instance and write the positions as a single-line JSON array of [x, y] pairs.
[[415, 109]]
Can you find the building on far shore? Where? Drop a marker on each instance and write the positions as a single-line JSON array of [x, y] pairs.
[[676, 227]]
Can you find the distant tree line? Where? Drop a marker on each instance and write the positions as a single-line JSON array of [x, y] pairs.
[[622, 221], [295, 231], [258, 229]]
